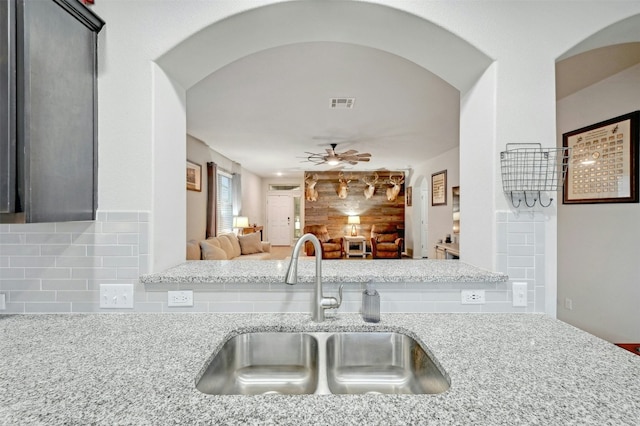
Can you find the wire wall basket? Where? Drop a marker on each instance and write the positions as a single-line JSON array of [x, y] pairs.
[[528, 170]]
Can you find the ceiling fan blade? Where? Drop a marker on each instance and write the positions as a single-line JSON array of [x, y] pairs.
[[350, 152], [364, 159], [364, 154]]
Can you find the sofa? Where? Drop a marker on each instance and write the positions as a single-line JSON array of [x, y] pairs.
[[332, 248], [229, 247]]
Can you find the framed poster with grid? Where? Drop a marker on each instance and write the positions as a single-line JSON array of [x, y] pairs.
[[603, 163]]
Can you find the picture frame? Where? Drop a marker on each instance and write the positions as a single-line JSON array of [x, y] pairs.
[[439, 188], [194, 176], [602, 167], [409, 196]]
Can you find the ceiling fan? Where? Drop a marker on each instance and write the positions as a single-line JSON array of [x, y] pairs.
[[334, 158]]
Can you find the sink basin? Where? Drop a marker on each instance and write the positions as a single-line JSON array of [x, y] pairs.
[[263, 363], [322, 363], [380, 363]]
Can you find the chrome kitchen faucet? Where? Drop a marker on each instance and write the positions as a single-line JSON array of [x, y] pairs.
[[320, 303]]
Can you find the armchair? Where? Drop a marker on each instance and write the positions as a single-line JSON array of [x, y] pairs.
[[385, 243], [332, 248]]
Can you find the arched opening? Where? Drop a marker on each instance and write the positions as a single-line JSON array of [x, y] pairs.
[[356, 23]]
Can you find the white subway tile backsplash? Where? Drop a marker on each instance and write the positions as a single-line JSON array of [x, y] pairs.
[[48, 238], [32, 261], [32, 227], [79, 262], [20, 284], [94, 273], [59, 307], [50, 273], [32, 296], [120, 262], [11, 239], [77, 296], [521, 261], [19, 250], [520, 227], [117, 227], [57, 267], [63, 250], [125, 250], [11, 273], [127, 273], [95, 239], [67, 285], [122, 217], [78, 227]]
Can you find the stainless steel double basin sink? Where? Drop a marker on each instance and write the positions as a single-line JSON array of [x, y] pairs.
[[322, 363]]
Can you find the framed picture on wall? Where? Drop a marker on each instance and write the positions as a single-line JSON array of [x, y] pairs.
[[439, 188], [194, 176], [603, 165]]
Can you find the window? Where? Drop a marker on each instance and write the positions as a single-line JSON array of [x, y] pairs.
[[225, 203]]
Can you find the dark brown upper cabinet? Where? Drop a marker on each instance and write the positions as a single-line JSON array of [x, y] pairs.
[[48, 111]]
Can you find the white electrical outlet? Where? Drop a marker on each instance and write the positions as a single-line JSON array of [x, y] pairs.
[[3, 304], [116, 296], [472, 297], [180, 298], [568, 304], [519, 294]]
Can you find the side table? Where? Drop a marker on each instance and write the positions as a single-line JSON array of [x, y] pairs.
[[355, 246]]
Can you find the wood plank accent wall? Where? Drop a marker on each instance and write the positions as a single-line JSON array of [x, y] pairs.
[[332, 211]]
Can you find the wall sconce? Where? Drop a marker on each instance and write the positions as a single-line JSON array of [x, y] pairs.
[[353, 221]]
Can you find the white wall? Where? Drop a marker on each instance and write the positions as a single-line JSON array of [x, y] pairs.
[[252, 198], [599, 244], [440, 218], [142, 116]]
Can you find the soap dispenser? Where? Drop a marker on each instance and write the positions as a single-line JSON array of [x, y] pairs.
[[370, 304]]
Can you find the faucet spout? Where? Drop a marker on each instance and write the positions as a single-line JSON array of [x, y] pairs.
[[320, 303]]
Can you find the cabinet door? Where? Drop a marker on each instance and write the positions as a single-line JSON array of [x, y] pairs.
[[56, 113], [7, 108]]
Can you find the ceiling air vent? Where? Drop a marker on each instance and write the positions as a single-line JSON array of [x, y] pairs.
[[342, 103]]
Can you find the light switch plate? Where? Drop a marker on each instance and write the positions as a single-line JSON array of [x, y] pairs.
[[116, 296], [519, 294]]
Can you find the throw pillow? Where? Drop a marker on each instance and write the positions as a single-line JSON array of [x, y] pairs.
[[193, 250], [211, 252], [233, 239], [225, 245], [387, 238], [250, 243]]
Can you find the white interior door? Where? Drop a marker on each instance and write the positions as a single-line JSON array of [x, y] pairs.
[[280, 219], [424, 223]]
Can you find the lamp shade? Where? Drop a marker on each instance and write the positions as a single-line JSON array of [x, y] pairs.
[[353, 220], [240, 222]]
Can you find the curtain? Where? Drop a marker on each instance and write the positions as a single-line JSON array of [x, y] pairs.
[[236, 183], [212, 188]]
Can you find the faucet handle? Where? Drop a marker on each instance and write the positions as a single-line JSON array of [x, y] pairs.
[[332, 302]]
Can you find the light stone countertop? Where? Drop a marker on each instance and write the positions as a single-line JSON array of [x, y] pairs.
[[333, 271], [505, 369]]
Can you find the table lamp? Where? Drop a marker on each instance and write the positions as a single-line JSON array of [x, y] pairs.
[[353, 221], [240, 222]]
